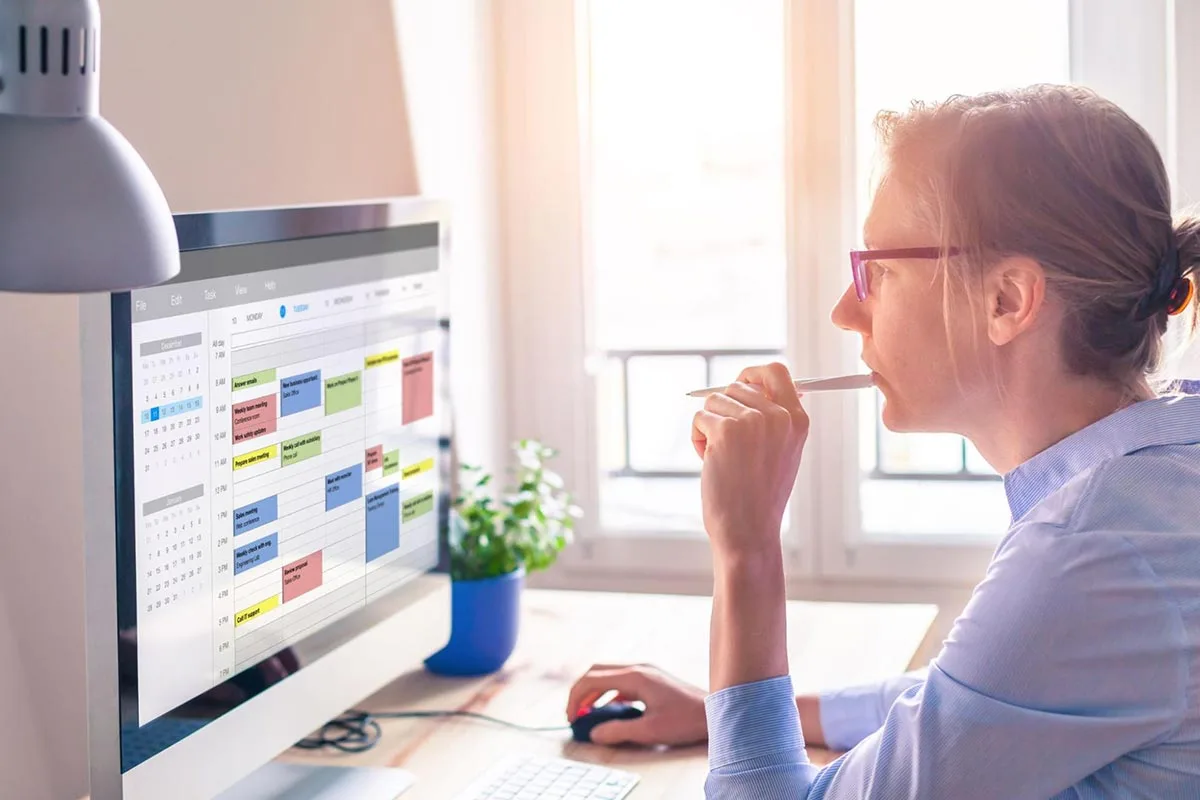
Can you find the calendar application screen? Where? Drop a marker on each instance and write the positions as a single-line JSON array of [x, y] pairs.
[[284, 448]]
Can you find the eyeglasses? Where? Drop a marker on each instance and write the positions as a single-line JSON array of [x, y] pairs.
[[860, 258]]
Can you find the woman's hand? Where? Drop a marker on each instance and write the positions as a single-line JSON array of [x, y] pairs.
[[751, 437], [674, 709]]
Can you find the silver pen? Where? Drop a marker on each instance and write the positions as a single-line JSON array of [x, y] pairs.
[[840, 383]]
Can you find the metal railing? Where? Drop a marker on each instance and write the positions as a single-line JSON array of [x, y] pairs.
[[624, 356], [627, 470]]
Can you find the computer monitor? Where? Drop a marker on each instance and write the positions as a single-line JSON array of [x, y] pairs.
[[266, 474]]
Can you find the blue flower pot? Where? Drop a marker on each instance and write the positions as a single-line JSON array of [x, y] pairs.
[[484, 619]]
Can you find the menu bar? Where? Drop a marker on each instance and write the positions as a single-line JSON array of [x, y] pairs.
[[243, 288]]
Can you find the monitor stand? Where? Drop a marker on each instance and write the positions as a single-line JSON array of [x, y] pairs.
[[278, 780]]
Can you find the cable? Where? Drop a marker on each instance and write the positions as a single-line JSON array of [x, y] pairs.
[[468, 714], [357, 731], [353, 732]]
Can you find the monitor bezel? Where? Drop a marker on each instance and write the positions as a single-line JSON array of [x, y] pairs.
[[204, 231]]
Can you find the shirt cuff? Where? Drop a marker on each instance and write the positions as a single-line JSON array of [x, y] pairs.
[[754, 722]]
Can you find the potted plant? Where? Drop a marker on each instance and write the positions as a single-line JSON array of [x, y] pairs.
[[494, 543]]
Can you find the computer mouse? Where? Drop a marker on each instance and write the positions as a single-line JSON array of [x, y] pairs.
[[581, 728]]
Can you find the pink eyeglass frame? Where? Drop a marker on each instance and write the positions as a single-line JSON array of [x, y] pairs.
[[859, 259]]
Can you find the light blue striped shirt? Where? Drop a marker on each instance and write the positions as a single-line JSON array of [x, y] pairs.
[[1073, 672]]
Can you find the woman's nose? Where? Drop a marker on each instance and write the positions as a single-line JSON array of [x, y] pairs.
[[849, 314]]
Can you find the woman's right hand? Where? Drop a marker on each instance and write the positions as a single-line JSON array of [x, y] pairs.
[[674, 710]]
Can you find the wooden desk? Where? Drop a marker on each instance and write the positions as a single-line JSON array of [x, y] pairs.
[[563, 633]]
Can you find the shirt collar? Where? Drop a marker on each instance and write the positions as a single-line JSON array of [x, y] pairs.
[[1151, 423]]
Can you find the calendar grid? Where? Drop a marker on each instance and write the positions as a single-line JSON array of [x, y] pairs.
[[311, 472]]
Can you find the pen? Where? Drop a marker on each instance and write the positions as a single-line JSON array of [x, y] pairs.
[[840, 383]]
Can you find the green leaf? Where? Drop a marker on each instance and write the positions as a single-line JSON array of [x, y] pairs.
[[526, 526]]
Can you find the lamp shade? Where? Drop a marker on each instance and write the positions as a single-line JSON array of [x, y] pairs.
[[79, 209]]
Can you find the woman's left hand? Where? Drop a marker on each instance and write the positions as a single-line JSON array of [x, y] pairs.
[[751, 437]]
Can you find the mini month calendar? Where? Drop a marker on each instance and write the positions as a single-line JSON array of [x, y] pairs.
[[172, 401], [173, 528]]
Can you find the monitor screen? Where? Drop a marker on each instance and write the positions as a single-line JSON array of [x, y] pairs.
[[278, 421]]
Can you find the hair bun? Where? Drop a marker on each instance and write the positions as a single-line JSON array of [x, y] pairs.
[[1168, 285]]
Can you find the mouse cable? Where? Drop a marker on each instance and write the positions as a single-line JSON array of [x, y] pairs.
[[357, 731]]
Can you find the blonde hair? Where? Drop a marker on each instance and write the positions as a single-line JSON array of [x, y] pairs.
[[1062, 176]]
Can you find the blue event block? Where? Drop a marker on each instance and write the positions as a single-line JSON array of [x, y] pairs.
[[343, 486], [254, 515], [383, 521], [255, 553], [299, 392]]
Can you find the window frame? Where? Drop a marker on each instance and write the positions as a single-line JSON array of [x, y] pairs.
[[1123, 48]]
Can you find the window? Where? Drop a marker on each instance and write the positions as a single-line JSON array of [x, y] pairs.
[[687, 226], [680, 182]]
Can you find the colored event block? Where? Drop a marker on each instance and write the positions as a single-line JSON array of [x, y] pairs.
[[417, 506], [301, 448], [375, 457], [381, 359], [343, 486], [254, 418], [300, 392], [418, 468], [302, 576], [391, 462], [253, 379], [257, 552], [254, 515], [343, 392], [255, 457], [418, 387], [383, 521], [256, 610]]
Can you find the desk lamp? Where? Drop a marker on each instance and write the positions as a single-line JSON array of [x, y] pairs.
[[79, 209]]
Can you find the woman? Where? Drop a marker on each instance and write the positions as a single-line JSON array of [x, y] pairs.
[[1022, 270]]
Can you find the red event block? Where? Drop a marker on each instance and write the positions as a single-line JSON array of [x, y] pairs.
[[302, 576], [375, 457], [256, 417], [418, 387]]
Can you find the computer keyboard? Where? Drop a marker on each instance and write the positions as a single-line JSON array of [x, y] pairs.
[[550, 779]]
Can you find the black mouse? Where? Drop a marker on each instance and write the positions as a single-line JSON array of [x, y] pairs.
[[581, 728]]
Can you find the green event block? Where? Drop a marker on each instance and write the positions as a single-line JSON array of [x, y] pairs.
[[253, 379], [301, 448], [343, 392], [416, 506]]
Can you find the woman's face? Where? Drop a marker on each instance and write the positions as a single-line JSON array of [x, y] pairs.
[[903, 325]]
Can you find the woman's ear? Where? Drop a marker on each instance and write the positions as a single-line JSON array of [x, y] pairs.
[[1015, 290]]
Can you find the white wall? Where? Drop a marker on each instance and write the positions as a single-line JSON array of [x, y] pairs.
[[1184, 116], [234, 104], [272, 102], [22, 739], [43, 750]]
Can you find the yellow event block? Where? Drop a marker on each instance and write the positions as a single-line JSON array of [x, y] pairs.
[[379, 359], [418, 468], [256, 457], [257, 610]]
